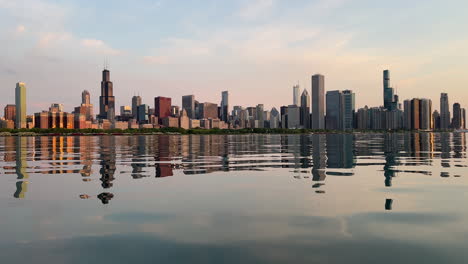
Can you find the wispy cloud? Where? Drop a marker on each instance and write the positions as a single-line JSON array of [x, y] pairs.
[[99, 46], [255, 8]]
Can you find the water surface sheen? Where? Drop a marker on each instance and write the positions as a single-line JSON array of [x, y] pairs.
[[328, 198]]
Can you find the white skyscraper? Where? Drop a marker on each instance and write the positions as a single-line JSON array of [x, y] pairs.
[[296, 95]]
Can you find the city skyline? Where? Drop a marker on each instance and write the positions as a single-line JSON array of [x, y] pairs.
[[335, 111], [247, 52]]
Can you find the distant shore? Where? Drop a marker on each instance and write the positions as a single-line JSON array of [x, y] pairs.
[[181, 131]]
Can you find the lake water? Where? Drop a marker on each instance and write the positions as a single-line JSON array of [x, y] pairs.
[[334, 198]]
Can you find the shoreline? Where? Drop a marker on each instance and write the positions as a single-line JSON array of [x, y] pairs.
[[179, 131]]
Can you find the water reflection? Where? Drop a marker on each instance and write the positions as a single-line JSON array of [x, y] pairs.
[[241, 199], [317, 155]]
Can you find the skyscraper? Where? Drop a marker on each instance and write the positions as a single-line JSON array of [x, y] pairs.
[[274, 118], [415, 113], [305, 109], [85, 97], [136, 101], [334, 110], [162, 107], [348, 109], [225, 106], [296, 95], [107, 99], [457, 116], [444, 111], [10, 112], [188, 103], [425, 114], [318, 104], [20, 99], [260, 118], [390, 99]]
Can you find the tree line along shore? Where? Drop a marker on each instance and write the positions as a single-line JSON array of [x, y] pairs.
[[181, 131]]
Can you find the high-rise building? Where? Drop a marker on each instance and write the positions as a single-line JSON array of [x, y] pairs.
[[162, 107], [142, 114], [85, 97], [107, 99], [457, 116], [363, 120], [208, 110], [125, 111], [294, 117], [274, 118], [305, 110], [463, 118], [224, 113], [444, 111], [260, 117], [56, 108], [407, 114], [436, 119], [425, 114], [334, 119], [10, 112], [347, 113], [318, 103], [20, 102], [188, 103], [390, 98], [136, 101], [296, 95], [415, 114]]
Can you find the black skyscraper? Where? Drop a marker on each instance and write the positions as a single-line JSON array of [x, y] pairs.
[[106, 100]]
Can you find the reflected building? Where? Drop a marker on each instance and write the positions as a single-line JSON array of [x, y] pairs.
[[340, 151], [163, 157], [21, 167], [108, 160], [319, 157]]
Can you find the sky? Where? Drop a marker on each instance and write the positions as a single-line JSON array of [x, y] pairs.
[[255, 49]]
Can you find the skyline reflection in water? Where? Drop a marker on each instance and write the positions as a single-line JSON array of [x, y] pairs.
[[282, 181]]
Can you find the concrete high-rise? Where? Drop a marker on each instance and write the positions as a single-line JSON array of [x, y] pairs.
[[444, 111], [136, 101], [224, 106], [318, 103], [85, 97], [457, 116], [296, 95], [188, 103], [20, 102], [260, 117], [305, 109], [10, 112], [107, 99], [348, 110], [334, 110]]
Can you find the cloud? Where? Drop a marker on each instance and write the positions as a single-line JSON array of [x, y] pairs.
[[256, 8], [99, 46], [50, 39], [20, 29], [155, 60]]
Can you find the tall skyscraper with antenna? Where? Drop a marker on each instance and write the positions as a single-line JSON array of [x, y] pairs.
[[107, 99]]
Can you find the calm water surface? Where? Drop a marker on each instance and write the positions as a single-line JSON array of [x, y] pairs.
[[362, 198]]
